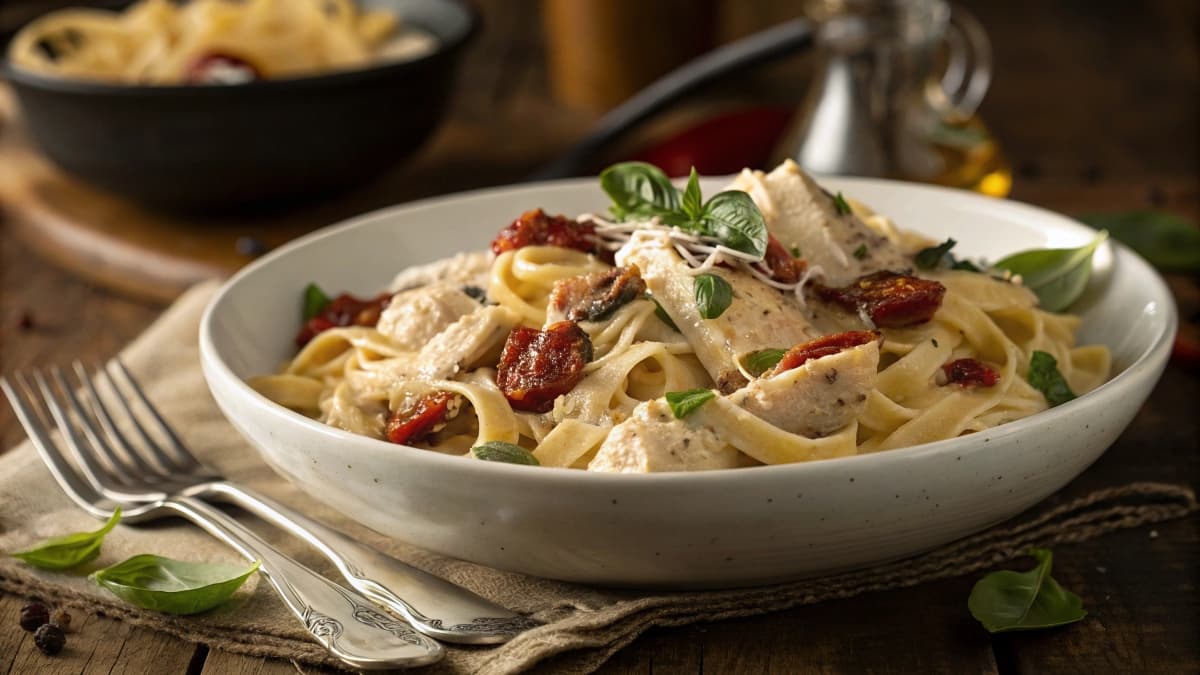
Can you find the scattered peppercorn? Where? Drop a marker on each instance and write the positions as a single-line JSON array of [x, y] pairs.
[[50, 639], [34, 615], [61, 618]]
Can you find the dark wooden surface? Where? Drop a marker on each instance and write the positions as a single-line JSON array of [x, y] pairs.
[[1096, 104]]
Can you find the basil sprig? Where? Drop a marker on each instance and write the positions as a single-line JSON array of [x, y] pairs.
[[1045, 377], [640, 190], [69, 550], [713, 295], [172, 586], [931, 257], [1167, 241], [1056, 275], [1007, 601], [684, 403], [315, 301], [500, 451], [759, 362]]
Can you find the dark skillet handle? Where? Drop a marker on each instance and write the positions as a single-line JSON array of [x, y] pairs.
[[786, 38]]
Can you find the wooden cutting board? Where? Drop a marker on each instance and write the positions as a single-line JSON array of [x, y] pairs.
[[120, 245]]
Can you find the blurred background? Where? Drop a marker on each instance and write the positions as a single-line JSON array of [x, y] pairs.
[[1086, 107]]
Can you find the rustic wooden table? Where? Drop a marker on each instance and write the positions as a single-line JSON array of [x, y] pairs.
[[1096, 104]]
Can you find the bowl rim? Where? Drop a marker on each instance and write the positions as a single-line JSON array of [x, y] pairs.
[[1149, 363], [445, 48]]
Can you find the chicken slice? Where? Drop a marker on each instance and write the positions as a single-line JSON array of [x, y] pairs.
[[804, 217], [413, 317], [652, 440], [816, 398], [760, 317], [475, 338]]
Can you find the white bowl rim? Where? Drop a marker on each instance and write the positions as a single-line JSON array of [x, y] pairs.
[[1155, 354]]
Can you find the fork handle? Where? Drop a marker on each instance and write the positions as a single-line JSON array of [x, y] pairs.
[[344, 622], [435, 606]]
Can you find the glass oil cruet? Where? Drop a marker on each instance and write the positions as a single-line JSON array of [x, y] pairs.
[[877, 106]]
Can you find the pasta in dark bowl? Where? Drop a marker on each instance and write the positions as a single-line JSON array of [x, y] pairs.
[[203, 122]]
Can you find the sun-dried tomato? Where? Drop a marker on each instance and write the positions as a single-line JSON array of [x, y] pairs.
[[536, 228], [219, 68], [826, 345], [784, 268], [970, 373], [591, 297], [344, 310], [538, 366], [423, 417], [891, 300]]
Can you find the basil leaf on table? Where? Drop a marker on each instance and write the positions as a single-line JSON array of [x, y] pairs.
[[713, 295], [500, 451], [1165, 240], [732, 217], [1056, 275], [315, 301], [762, 360], [69, 550], [172, 586], [929, 258], [1045, 377], [1007, 600], [639, 189], [684, 403]]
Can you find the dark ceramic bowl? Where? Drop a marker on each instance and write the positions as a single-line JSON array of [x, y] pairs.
[[213, 147]]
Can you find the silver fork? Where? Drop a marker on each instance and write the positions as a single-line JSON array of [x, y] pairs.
[[434, 606], [341, 620]]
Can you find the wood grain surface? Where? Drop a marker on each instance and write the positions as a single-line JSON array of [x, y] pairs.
[[1096, 105]]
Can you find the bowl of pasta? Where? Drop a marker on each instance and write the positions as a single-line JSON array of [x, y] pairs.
[[212, 104], [732, 382]]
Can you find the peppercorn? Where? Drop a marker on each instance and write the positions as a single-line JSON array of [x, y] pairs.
[[50, 639], [34, 615], [61, 618]]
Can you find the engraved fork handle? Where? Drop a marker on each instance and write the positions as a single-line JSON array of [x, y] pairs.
[[343, 621], [434, 606]]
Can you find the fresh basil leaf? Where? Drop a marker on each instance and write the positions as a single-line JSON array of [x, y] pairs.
[[172, 586], [930, 258], [315, 301], [1165, 240], [1007, 600], [842, 206], [759, 362], [713, 295], [509, 453], [966, 266], [662, 315], [69, 550], [684, 403], [639, 189], [1057, 275], [734, 219], [692, 203], [1045, 377]]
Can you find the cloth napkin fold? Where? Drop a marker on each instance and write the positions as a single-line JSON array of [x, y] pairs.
[[584, 625]]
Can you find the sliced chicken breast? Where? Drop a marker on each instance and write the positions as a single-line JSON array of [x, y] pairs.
[[413, 317], [652, 440]]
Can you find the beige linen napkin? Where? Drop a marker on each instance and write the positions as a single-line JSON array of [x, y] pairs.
[[584, 626]]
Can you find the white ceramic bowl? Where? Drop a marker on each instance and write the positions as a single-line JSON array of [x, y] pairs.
[[719, 528]]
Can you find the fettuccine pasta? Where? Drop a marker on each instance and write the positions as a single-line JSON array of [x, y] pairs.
[[213, 41], [587, 344]]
